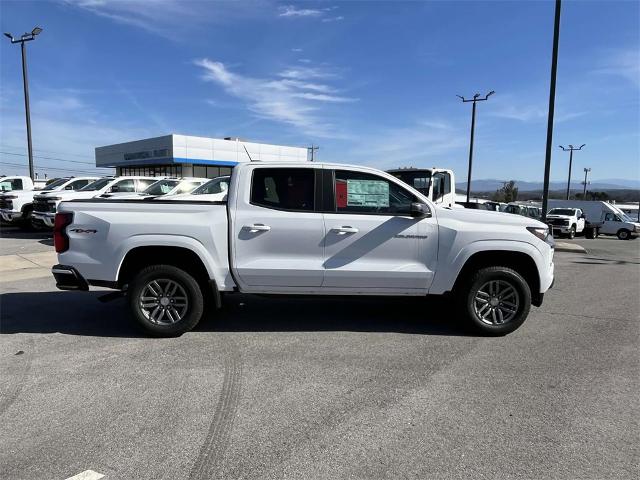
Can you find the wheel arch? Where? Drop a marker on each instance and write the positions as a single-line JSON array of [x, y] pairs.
[[182, 257], [517, 260]]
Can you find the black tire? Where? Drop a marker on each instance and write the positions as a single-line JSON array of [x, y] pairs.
[[468, 300], [624, 234], [25, 221], [189, 315], [590, 233], [572, 232]]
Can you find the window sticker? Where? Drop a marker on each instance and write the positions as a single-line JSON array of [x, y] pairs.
[[367, 193]]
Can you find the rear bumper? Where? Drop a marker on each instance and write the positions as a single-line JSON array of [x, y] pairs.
[[68, 278]]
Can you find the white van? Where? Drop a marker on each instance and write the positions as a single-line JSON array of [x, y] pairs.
[[603, 217]]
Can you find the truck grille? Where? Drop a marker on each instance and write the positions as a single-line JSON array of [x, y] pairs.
[[43, 206], [4, 203], [559, 222]]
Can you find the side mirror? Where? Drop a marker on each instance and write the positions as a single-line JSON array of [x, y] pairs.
[[114, 189], [68, 187], [419, 210]]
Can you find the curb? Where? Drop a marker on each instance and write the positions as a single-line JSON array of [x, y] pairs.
[[569, 247]]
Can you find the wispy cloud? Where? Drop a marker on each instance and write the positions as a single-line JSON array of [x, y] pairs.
[[171, 19], [397, 146], [287, 98], [623, 63], [532, 113], [291, 11]]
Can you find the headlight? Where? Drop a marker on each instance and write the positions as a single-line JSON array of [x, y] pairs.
[[541, 232]]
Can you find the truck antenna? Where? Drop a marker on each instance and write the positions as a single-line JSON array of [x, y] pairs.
[[247, 151]]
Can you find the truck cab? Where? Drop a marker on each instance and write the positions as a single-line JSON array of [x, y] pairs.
[[437, 184]]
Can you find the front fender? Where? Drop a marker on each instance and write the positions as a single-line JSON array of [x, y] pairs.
[[451, 263]]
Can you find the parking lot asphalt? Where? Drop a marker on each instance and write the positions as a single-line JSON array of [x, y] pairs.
[[323, 388]]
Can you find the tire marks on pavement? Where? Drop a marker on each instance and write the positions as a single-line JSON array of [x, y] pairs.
[[209, 462], [12, 392]]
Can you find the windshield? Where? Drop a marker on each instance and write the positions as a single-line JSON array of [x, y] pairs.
[[562, 211], [418, 179], [217, 185], [56, 183], [97, 185], [161, 187]]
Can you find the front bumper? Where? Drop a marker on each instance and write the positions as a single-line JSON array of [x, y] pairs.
[[10, 215], [45, 219], [68, 278]]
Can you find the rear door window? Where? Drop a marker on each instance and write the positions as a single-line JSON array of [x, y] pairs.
[[284, 188]]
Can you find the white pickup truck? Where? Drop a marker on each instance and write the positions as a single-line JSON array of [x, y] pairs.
[[566, 221], [45, 205], [303, 229], [17, 206]]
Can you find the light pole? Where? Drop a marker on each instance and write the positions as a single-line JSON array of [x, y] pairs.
[[571, 149], [584, 192], [552, 103], [312, 150], [27, 37], [476, 98]]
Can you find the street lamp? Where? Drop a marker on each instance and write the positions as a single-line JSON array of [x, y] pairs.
[[27, 37], [552, 106], [571, 149], [584, 192], [476, 98]]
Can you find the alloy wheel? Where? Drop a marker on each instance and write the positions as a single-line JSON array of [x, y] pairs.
[[163, 301], [496, 302]]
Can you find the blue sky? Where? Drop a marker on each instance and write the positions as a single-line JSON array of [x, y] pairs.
[[371, 83]]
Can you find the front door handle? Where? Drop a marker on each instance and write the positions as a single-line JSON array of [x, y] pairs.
[[344, 230], [257, 227]]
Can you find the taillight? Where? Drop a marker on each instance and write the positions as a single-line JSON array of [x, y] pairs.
[[60, 237]]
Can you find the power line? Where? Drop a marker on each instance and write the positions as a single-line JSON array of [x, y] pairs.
[[51, 158], [48, 151], [51, 168]]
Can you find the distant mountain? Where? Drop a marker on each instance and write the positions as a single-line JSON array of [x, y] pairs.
[[490, 185]]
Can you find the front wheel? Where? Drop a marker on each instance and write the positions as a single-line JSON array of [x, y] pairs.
[[572, 232], [624, 234], [496, 300], [165, 300]]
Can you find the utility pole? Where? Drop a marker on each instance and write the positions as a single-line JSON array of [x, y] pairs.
[[571, 149], [476, 98], [27, 37], [584, 192], [312, 149], [552, 102]]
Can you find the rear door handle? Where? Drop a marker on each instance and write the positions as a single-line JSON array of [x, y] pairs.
[[344, 230], [257, 227]]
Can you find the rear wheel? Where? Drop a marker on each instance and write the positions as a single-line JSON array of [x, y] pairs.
[[165, 300], [496, 300], [624, 234]]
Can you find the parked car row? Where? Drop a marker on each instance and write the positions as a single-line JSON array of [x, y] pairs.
[[29, 207], [568, 218]]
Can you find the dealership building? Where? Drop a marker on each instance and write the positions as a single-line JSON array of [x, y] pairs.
[[185, 156]]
